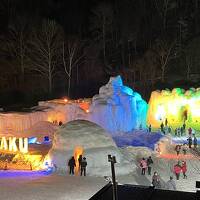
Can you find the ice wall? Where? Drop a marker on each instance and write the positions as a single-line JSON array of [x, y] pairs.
[[14, 123], [176, 106], [118, 108]]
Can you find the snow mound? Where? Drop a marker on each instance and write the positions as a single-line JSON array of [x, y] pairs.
[[117, 108], [138, 152], [96, 145]]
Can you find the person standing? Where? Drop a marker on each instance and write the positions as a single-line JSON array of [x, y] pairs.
[[190, 142], [181, 130], [156, 180], [83, 166], [162, 127], [166, 122], [184, 169], [143, 165], [169, 129], [177, 170], [178, 149], [178, 132], [190, 132], [171, 185], [149, 128], [185, 148], [149, 164], [184, 126], [79, 161], [71, 164], [195, 142], [175, 132]]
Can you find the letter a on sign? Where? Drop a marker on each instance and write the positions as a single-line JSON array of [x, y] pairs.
[[4, 145], [12, 144]]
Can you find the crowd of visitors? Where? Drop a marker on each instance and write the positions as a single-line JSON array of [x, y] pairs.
[[179, 167]]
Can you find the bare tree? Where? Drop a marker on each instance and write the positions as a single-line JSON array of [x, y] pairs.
[[8, 8], [44, 52], [188, 61], [72, 57], [102, 23], [17, 43], [164, 51], [163, 7]]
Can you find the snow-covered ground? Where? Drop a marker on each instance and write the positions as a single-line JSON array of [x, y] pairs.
[[65, 187], [52, 187]]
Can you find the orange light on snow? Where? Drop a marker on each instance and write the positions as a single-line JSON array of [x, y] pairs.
[[85, 106], [77, 152], [65, 100]]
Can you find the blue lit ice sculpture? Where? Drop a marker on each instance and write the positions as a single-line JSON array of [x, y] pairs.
[[117, 108]]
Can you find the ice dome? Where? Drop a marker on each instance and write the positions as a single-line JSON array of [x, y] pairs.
[[87, 138]]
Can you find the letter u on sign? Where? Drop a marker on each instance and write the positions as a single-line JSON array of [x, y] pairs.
[[23, 145]]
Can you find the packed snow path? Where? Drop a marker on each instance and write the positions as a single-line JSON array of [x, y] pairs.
[[53, 187]]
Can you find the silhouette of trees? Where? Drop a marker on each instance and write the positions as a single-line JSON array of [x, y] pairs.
[[72, 57], [44, 50]]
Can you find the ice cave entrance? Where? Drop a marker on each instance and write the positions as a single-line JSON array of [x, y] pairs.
[[77, 152]]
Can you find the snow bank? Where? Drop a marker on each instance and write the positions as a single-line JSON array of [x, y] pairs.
[[96, 145], [137, 138]]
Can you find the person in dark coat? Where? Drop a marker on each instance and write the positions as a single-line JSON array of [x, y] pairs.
[[181, 131], [175, 132], [166, 122], [162, 127], [190, 142], [71, 164], [149, 164], [80, 158], [156, 180], [169, 129], [178, 149], [149, 128], [83, 166], [184, 126], [185, 148], [190, 132], [195, 142]]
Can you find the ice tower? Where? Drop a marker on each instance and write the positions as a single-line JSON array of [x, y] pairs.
[[117, 108]]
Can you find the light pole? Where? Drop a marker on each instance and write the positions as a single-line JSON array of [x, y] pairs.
[[112, 160]]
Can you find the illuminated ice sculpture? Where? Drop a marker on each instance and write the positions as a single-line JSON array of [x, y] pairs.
[[177, 106], [117, 108]]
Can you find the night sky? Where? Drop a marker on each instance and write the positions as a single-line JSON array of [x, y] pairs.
[[151, 44]]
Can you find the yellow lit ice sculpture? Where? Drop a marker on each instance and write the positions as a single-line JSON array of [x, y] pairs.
[[177, 106]]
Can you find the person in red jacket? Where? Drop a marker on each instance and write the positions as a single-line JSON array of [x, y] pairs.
[[177, 170], [184, 169]]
